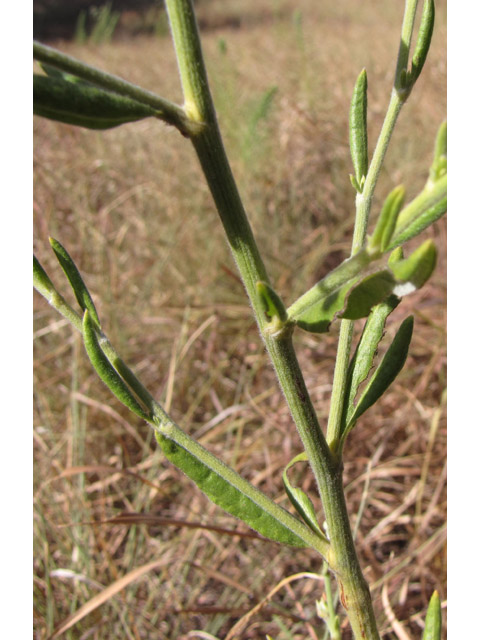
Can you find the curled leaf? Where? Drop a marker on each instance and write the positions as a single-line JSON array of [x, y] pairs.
[[79, 288], [84, 105], [106, 371], [417, 268], [358, 130], [299, 498], [372, 290]]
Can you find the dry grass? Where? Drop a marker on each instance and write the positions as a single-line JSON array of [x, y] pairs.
[[132, 208]]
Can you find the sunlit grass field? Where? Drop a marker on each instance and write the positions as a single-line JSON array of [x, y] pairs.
[[133, 209]]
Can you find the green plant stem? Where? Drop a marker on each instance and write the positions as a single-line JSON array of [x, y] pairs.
[[209, 147], [167, 111], [363, 208]]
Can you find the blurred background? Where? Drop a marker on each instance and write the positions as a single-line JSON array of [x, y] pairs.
[[132, 208]]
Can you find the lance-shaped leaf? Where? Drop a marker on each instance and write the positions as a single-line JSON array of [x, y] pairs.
[[362, 361], [386, 372], [79, 288], [271, 302], [433, 619], [387, 220], [416, 269], [84, 105], [106, 371], [230, 491], [299, 498], [424, 38], [420, 213], [358, 130]]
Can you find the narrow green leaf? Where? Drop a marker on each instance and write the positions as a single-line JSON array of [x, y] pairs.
[[46, 288], [439, 164], [226, 488], [387, 219], [69, 267], [84, 105], [424, 38], [271, 302], [369, 292], [41, 281], [358, 128], [299, 498], [362, 361], [106, 371], [421, 212], [386, 372], [433, 620], [417, 268]]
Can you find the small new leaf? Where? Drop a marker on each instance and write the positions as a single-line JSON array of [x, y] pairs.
[[106, 371], [386, 372], [358, 130], [82, 294], [362, 361], [271, 302], [433, 619], [299, 498], [41, 281], [387, 220], [424, 39], [421, 212], [439, 164], [417, 268], [84, 105]]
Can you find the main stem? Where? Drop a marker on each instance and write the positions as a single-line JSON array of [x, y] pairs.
[[326, 468]]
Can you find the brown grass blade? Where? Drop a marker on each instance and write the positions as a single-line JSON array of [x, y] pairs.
[[104, 596]]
